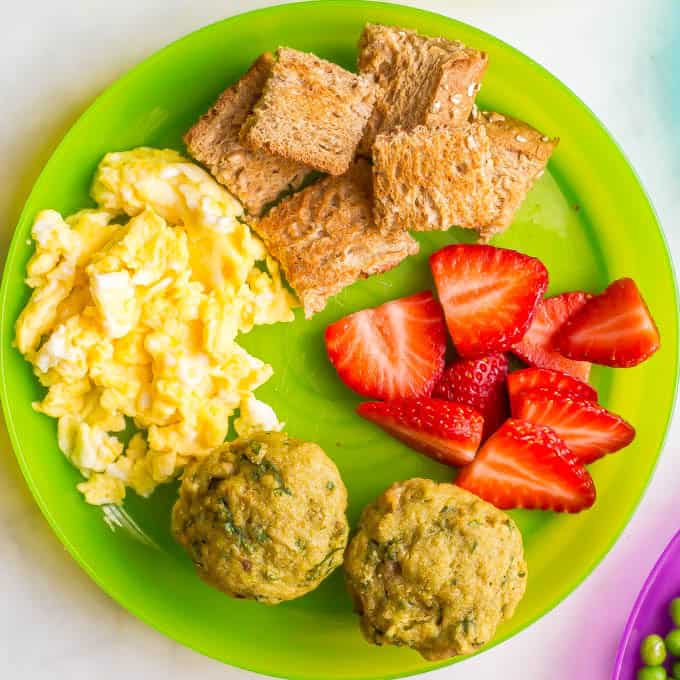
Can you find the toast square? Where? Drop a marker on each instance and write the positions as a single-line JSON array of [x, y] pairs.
[[311, 112], [428, 179], [420, 80], [325, 239], [520, 154], [474, 177], [256, 178]]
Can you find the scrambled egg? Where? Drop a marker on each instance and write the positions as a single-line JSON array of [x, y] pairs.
[[256, 416], [137, 319]]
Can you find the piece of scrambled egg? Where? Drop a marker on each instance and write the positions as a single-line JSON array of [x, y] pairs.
[[137, 318]]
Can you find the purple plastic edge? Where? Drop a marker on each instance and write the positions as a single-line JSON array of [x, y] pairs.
[[640, 600]]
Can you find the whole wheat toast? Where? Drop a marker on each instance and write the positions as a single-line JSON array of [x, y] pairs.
[[428, 179], [474, 177], [420, 80], [311, 111], [256, 178], [325, 238]]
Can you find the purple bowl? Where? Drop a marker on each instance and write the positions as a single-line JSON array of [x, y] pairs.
[[650, 612]]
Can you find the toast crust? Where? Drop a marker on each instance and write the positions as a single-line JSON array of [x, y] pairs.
[[311, 111], [325, 239], [256, 178]]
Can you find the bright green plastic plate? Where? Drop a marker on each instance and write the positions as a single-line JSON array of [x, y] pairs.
[[588, 220]]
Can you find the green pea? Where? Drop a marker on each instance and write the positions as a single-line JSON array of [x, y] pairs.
[[652, 673], [653, 651], [673, 642], [675, 670], [674, 610]]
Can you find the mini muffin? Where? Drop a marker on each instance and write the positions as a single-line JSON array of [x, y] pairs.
[[434, 568], [263, 518]]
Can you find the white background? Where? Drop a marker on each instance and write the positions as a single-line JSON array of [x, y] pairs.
[[56, 55]]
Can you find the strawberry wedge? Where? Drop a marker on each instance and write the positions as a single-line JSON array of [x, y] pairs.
[[528, 466], [489, 295], [536, 347], [450, 433], [391, 351], [533, 378], [589, 430], [479, 383], [614, 328]]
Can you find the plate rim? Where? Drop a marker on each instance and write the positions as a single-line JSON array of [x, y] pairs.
[[119, 83]]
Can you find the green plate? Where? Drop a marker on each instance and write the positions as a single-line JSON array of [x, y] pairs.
[[588, 219]]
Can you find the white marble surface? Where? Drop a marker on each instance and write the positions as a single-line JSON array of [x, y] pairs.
[[56, 55]]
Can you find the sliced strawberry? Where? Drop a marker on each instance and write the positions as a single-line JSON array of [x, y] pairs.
[[536, 347], [447, 432], [523, 465], [479, 383], [395, 350], [489, 295], [589, 430], [614, 328], [532, 378]]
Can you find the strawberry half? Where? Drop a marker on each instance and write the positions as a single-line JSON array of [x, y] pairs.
[[523, 465], [532, 378], [536, 347], [589, 430], [614, 328], [449, 433], [479, 383], [391, 351], [489, 295]]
